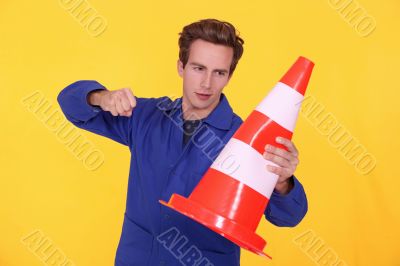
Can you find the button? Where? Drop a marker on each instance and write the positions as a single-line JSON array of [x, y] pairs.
[[166, 216], [162, 262]]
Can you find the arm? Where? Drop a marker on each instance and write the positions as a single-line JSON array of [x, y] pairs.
[[78, 102], [287, 209], [288, 203]]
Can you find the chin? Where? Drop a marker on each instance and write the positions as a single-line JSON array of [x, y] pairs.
[[201, 106]]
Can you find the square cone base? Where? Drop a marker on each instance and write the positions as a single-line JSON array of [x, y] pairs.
[[236, 233]]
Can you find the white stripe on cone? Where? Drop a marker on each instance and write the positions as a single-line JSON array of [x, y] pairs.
[[283, 114], [243, 163]]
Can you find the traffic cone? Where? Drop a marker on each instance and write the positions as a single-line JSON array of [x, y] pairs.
[[233, 194]]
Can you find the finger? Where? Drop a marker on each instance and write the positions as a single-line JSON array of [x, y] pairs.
[[119, 106], [278, 170], [125, 103], [278, 151], [131, 97], [289, 144], [283, 162], [113, 111], [127, 113]]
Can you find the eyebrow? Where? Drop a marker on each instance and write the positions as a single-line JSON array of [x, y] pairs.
[[200, 65]]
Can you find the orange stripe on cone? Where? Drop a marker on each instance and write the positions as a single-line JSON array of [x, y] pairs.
[[261, 130], [235, 197], [298, 75]]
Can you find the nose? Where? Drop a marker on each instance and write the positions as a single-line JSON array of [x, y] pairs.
[[206, 82]]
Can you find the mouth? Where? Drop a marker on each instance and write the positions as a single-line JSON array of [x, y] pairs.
[[203, 96]]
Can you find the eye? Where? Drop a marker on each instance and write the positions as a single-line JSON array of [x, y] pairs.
[[198, 68], [221, 73]]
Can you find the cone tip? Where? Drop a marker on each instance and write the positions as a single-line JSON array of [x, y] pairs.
[[298, 75], [305, 60]]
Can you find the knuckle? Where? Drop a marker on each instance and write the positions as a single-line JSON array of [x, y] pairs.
[[281, 152]]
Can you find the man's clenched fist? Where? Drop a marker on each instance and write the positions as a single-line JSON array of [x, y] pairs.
[[119, 102]]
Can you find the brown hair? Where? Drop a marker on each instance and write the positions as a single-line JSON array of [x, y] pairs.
[[214, 31]]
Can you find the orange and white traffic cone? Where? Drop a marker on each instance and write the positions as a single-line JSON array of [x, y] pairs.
[[233, 194]]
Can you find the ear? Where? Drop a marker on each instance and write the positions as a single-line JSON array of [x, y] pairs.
[[179, 66]]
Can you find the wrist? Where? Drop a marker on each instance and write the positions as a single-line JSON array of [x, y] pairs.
[[285, 187], [94, 97]]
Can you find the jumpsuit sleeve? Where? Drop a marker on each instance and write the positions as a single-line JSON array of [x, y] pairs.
[[74, 104], [287, 210]]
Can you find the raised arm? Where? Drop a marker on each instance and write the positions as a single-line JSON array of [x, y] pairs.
[[90, 106]]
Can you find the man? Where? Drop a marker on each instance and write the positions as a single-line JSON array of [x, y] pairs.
[[164, 138]]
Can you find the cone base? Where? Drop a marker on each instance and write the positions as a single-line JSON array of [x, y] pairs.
[[227, 228]]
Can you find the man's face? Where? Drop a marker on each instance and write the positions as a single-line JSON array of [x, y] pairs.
[[204, 76]]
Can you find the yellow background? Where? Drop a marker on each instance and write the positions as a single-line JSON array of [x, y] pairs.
[[45, 187]]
